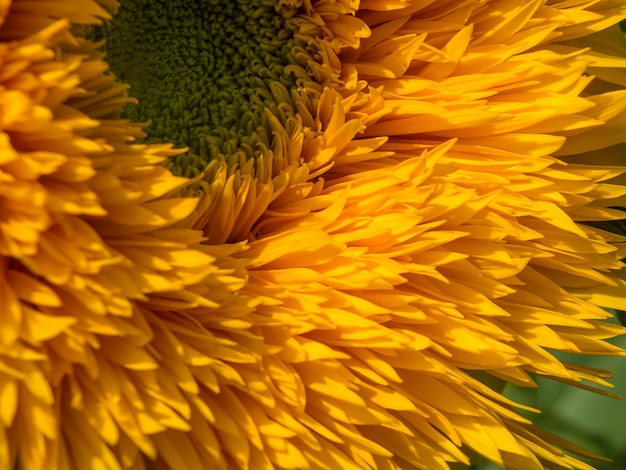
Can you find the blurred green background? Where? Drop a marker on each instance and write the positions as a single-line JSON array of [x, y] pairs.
[[593, 421]]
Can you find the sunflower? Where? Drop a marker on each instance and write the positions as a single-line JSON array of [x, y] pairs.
[[311, 234]]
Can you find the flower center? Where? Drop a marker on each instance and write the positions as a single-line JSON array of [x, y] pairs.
[[205, 73]]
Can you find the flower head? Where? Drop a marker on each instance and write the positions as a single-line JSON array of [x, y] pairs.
[[376, 212]]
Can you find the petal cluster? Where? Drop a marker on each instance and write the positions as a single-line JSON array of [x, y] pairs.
[[418, 229], [88, 238]]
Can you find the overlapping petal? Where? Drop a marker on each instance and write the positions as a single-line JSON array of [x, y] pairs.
[[89, 239], [412, 233]]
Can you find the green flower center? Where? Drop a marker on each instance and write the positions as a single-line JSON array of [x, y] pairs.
[[206, 73]]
